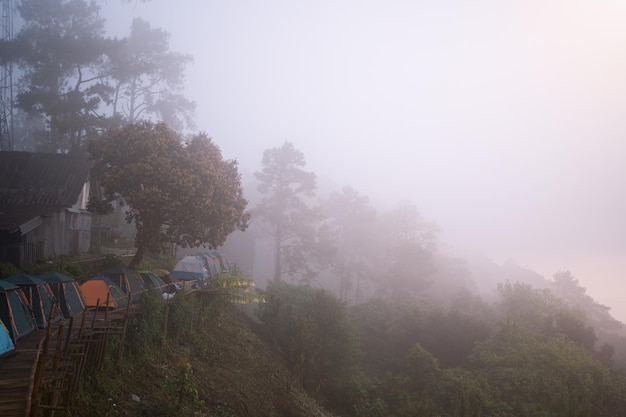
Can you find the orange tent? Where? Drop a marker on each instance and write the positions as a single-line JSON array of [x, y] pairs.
[[103, 289]]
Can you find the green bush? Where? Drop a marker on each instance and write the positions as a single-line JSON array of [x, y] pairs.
[[151, 262], [311, 329], [183, 388], [8, 269], [183, 315], [148, 326], [109, 260]]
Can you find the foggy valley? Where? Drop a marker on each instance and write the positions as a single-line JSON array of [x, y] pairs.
[[422, 202]]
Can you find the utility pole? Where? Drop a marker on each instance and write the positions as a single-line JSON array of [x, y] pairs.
[[6, 80]]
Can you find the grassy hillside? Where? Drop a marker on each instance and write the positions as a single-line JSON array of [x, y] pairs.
[[212, 363]]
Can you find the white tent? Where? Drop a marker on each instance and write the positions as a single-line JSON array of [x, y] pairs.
[[189, 268]]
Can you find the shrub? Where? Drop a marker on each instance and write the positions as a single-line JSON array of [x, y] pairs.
[[8, 269], [109, 260], [148, 326]]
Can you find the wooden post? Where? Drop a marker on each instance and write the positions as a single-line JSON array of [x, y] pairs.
[[166, 318], [69, 333], [54, 396], [39, 371], [31, 382], [121, 348]]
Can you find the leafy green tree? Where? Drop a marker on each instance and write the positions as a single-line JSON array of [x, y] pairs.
[[386, 331], [573, 324], [521, 303], [187, 195], [525, 367], [286, 185], [310, 328]]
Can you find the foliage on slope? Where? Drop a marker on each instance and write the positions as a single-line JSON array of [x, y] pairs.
[[530, 355], [211, 363]]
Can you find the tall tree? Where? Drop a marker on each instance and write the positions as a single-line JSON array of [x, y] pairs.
[[349, 218], [149, 78], [186, 195], [78, 81], [61, 50], [285, 185]]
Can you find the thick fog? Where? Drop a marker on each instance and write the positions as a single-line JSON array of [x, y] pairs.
[[503, 121]]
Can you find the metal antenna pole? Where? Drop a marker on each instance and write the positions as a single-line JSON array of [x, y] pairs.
[[6, 80]]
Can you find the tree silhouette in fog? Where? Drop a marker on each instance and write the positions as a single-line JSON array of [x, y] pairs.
[[285, 185], [75, 80]]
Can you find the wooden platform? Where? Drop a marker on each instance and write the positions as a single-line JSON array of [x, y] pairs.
[[40, 378]]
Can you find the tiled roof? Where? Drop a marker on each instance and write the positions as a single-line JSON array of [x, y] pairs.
[[34, 184]]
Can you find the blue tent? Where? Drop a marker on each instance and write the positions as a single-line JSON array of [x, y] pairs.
[[67, 293], [151, 280], [191, 268], [224, 266], [15, 312], [6, 344], [40, 298], [211, 263]]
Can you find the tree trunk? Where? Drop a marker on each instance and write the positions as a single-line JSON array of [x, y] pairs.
[[277, 255], [137, 258]]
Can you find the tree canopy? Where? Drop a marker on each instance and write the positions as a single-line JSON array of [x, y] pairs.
[[188, 195], [148, 78], [78, 80]]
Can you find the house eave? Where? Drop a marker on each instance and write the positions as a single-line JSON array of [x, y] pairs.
[[30, 225]]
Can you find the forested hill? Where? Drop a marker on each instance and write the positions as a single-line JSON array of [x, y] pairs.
[[213, 364], [526, 355]]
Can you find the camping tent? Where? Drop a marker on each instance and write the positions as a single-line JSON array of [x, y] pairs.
[[151, 280], [211, 263], [190, 268], [14, 311], [221, 258], [40, 298], [104, 293], [170, 280], [6, 344], [127, 279], [66, 290]]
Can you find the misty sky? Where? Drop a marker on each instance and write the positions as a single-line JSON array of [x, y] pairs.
[[504, 121]]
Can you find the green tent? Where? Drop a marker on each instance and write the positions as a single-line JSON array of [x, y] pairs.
[[67, 293], [128, 280], [15, 312], [40, 298]]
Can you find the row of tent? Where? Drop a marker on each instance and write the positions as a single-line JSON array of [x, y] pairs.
[[28, 303]]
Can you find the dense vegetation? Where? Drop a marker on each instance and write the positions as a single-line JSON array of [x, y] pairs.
[[526, 358], [207, 361], [527, 355]]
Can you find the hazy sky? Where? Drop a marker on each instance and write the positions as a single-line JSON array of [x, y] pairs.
[[504, 121]]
